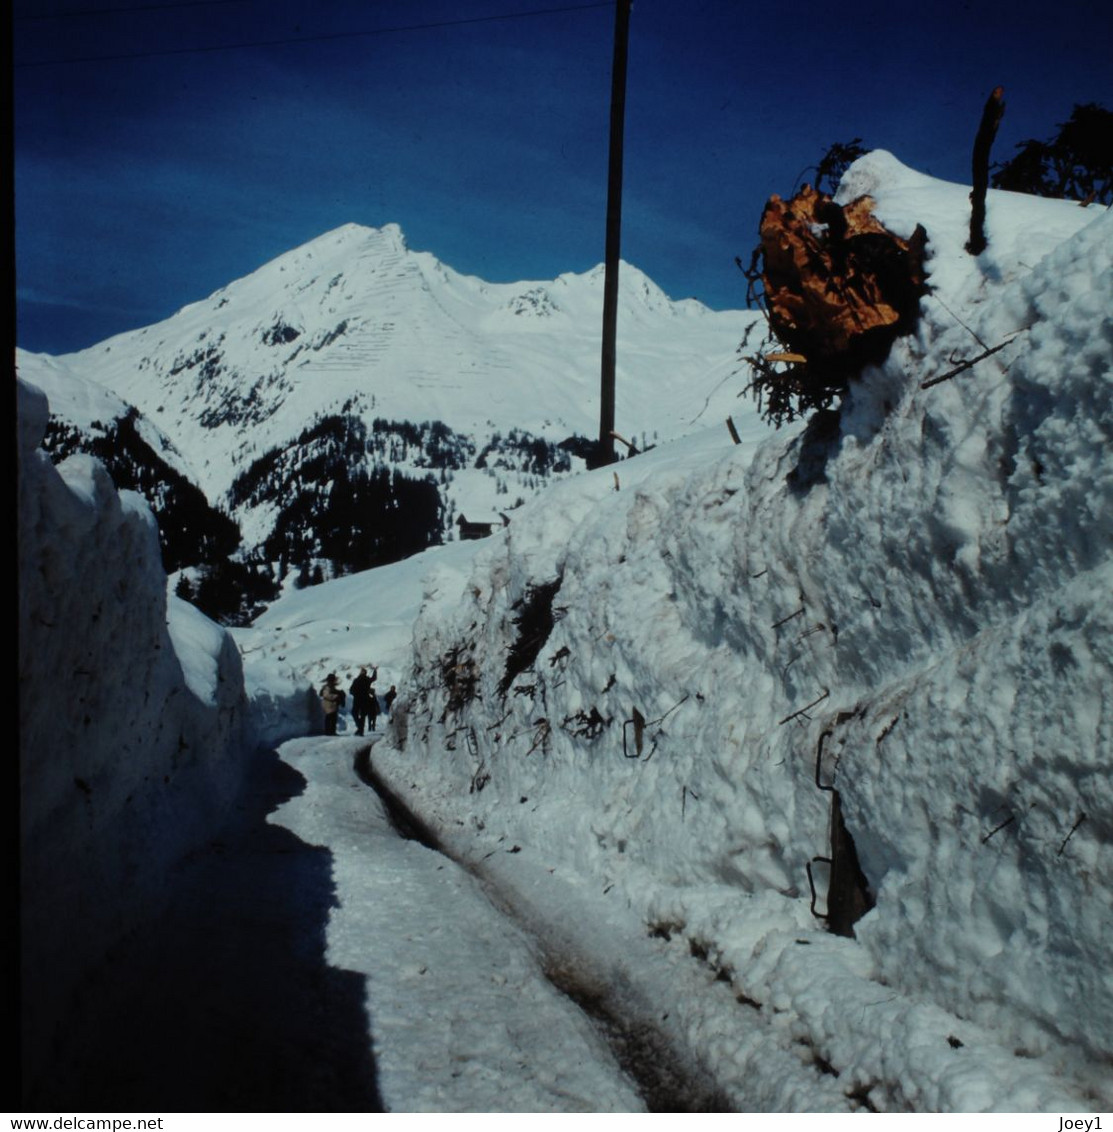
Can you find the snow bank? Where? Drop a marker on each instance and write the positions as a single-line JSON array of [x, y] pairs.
[[131, 730], [642, 688]]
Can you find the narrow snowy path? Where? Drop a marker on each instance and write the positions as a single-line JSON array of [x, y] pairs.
[[461, 1014], [310, 959]]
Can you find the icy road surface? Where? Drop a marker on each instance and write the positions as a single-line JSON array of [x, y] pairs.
[[461, 1015]]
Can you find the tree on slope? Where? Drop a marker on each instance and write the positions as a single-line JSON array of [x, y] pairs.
[[1077, 163]]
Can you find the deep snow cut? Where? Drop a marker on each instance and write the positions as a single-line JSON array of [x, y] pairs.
[[132, 730], [624, 711], [919, 604]]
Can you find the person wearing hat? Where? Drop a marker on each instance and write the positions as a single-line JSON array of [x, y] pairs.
[[332, 698]]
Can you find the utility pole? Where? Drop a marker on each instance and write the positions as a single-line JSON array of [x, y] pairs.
[[614, 231]]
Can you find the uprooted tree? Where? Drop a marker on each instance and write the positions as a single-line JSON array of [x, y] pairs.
[[837, 288]]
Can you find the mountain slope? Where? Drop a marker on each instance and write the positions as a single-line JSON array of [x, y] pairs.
[[451, 385], [354, 321]]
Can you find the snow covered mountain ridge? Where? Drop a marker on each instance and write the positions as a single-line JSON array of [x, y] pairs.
[[355, 312], [353, 358]]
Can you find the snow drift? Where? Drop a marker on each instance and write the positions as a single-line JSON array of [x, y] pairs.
[[646, 688], [131, 726]]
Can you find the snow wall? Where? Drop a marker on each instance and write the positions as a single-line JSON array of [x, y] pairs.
[[916, 609], [131, 728]]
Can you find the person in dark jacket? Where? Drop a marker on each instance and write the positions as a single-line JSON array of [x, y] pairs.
[[389, 698], [364, 703]]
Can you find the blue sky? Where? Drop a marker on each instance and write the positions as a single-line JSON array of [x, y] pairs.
[[163, 149]]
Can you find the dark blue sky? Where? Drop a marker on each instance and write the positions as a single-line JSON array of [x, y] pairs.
[[153, 167]]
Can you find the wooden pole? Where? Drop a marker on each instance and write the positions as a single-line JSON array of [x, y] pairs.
[[614, 233], [987, 130]]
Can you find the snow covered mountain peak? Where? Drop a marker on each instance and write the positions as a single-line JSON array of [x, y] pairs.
[[354, 321], [353, 355]]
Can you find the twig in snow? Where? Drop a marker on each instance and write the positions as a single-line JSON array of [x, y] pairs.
[[972, 332], [543, 730], [807, 707], [662, 718], [785, 620], [684, 799], [969, 363], [1081, 819], [962, 367], [1008, 821]]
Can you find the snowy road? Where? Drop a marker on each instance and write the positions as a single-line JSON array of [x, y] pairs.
[[309, 959], [461, 1015]]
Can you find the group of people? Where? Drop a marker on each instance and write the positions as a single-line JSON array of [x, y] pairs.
[[365, 701]]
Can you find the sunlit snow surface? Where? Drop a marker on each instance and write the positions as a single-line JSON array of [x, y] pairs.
[[940, 595], [921, 616], [462, 1017]]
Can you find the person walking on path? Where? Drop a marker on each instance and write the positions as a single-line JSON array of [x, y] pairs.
[[364, 703], [373, 707], [332, 699], [389, 698]]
